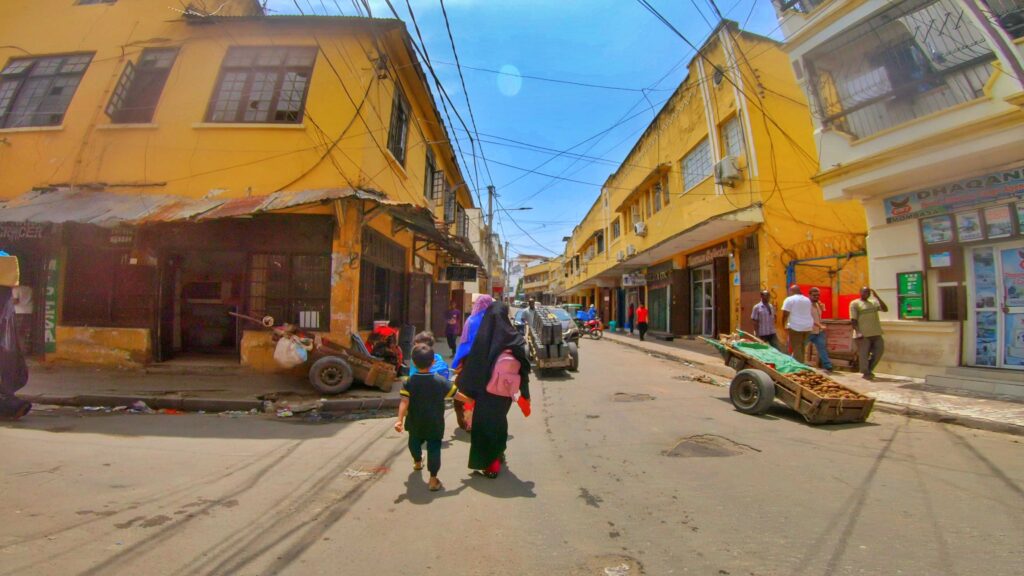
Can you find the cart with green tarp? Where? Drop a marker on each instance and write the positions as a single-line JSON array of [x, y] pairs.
[[763, 374]]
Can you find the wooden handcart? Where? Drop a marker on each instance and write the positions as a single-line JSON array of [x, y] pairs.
[[757, 385]]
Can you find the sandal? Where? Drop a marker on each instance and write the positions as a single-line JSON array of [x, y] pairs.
[[417, 465]]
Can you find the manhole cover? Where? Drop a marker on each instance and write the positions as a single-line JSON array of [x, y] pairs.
[[627, 397], [708, 446]]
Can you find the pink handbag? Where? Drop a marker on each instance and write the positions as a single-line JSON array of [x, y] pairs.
[[505, 379]]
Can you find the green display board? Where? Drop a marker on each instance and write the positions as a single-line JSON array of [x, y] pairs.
[[910, 295], [50, 312]]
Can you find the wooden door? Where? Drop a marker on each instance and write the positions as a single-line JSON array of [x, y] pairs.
[[439, 302]]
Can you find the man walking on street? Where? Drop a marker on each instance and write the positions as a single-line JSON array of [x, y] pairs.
[[764, 321], [867, 330], [641, 319], [796, 316], [818, 337]]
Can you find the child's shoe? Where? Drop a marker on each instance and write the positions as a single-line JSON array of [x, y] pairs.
[[434, 485], [417, 464]]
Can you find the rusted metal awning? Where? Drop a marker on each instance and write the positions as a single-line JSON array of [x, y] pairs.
[[135, 207]]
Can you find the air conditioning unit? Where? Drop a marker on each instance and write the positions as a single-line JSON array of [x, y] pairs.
[[640, 228], [727, 171], [620, 256], [630, 250]]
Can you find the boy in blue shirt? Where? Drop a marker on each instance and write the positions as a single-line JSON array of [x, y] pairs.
[[439, 366]]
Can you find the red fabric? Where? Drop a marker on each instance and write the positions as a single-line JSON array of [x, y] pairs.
[[844, 305], [495, 466], [826, 299], [524, 405], [386, 331], [641, 314]]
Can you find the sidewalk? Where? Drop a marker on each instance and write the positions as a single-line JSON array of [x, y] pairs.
[[894, 394]]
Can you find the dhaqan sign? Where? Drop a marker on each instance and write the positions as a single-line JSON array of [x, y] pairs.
[[952, 196]]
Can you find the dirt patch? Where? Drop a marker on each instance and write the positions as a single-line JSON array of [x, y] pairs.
[[708, 446], [591, 499], [610, 565], [631, 397], [155, 521]]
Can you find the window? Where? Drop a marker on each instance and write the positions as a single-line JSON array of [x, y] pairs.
[[291, 288], [732, 137], [647, 203], [600, 242], [656, 192], [263, 85], [399, 130], [429, 169], [697, 165], [616, 228], [381, 279], [138, 90], [37, 91], [108, 291]]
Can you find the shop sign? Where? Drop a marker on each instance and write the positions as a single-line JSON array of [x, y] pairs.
[[50, 312], [633, 279], [708, 256], [952, 196], [460, 274], [910, 295], [659, 273], [122, 237], [21, 231]]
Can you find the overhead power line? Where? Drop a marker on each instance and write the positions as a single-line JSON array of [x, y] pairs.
[[552, 80]]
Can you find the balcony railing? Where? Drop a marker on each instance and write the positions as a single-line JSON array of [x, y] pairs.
[[913, 59]]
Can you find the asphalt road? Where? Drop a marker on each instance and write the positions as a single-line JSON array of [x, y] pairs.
[[625, 468]]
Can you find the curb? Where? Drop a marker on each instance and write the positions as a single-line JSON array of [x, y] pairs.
[[932, 415], [205, 404], [909, 411]]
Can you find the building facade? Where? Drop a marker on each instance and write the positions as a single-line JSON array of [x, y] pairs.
[[540, 281], [164, 167], [715, 203], [918, 107]]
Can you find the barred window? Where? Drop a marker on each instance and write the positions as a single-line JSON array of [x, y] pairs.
[[139, 88], [732, 137], [398, 132], [291, 288], [616, 228], [697, 165], [430, 167], [263, 85], [37, 91]]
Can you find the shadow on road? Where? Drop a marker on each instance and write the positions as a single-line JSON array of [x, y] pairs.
[[254, 427], [506, 485], [416, 491], [779, 411]]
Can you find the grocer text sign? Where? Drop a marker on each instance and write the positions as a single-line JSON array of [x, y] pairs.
[[954, 195]]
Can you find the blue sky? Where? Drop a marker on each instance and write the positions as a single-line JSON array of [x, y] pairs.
[[606, 42]]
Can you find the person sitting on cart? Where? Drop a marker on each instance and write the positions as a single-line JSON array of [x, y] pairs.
[[383, 344], [439, 367]]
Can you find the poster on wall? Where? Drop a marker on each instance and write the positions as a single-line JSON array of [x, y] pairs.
[[940, 260], [984, 278], [986, 336], [1014, 355], [1013, 277], [910, 295], [937, 230], [968, 226], [998, 223], [1020, 216]]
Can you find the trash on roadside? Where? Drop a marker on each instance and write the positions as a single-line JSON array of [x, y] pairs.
[[171, 411], [685, 363], [119, 408], [95, 409], [620, 570], [140, 407], [306, 406], [285, 413], [234, 413]]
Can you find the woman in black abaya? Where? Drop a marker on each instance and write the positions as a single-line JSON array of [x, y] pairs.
[[490, 412]]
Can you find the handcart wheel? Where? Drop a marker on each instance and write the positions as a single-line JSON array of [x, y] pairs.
[[331, 375], [752, 391]]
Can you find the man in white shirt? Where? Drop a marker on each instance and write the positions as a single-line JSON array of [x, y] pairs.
[[798, 320]]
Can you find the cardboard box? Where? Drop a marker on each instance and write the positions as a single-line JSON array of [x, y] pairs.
[[9, 272]]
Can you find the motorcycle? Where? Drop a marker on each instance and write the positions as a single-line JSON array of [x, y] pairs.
[[592, 328]]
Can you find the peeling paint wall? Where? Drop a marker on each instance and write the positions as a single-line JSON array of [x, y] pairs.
[[114, 347]]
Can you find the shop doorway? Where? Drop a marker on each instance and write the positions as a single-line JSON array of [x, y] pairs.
[[702, 290], [994, 335], [198, 291], [658, 308]]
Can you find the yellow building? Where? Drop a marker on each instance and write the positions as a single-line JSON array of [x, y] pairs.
[[920, 110], [164, 166], [715, 203], [538, 280]]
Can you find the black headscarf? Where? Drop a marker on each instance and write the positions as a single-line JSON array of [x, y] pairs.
[[495, 335]]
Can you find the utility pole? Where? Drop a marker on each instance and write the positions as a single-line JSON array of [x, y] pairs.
[[490, 239], [507, 268]]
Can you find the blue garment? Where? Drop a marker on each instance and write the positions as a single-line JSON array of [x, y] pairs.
[[592, 314], [439, 367], [472, 325], [581, 315]]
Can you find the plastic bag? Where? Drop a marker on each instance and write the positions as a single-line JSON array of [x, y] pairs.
[[290, 352]]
